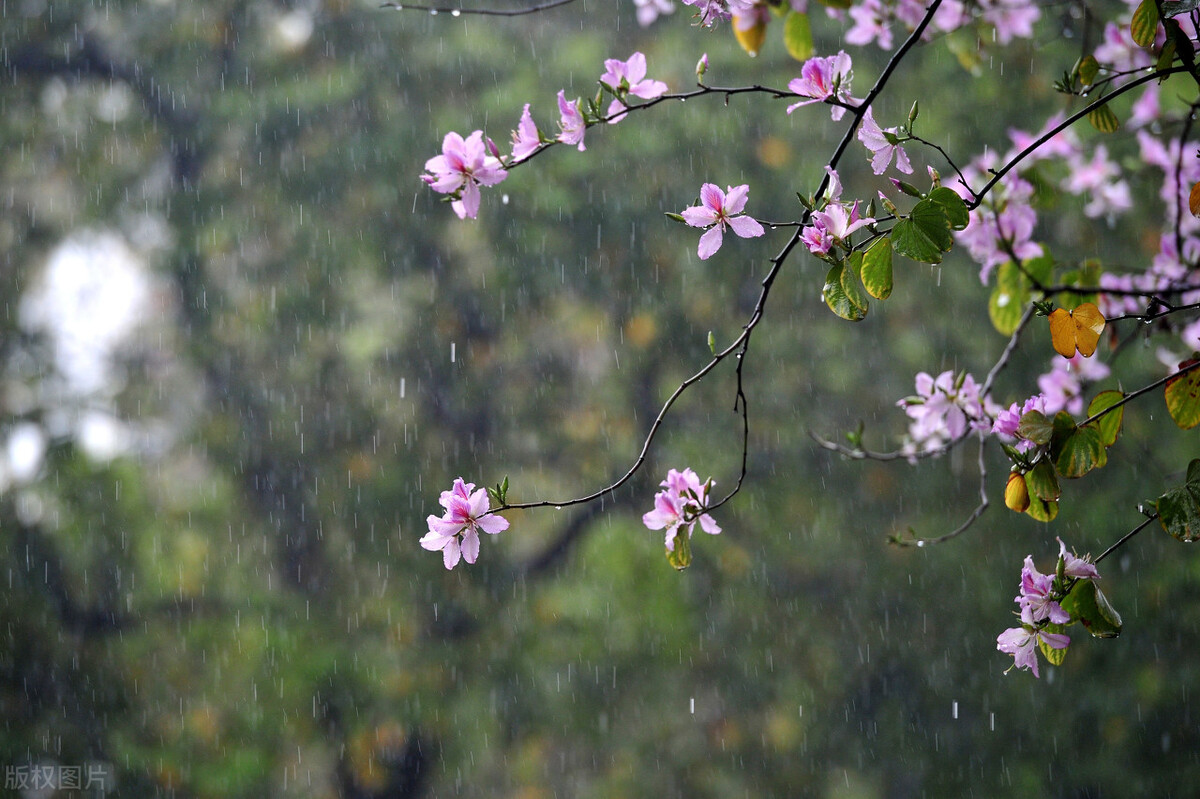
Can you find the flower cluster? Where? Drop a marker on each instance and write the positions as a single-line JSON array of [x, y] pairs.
[[679, 507], [466, 164], [713, 11], [944, 409], [456, 533], [834, 223], [1039, 608], [717, 211]]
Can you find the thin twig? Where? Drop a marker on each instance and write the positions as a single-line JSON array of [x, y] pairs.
[[456, 12], [741, 344], [975, 514], [1036, 144], [1125, 538], [1138, 393]]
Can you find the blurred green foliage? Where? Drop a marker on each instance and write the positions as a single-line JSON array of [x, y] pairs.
[[238, 606]]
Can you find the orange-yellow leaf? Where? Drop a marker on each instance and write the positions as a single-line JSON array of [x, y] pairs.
[[1079, 329], [1016, 493], [752, 36], [1194, 200]]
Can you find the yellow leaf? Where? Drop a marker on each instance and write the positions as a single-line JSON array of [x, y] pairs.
[[1079, 329], [753, 34], [1016, 493]]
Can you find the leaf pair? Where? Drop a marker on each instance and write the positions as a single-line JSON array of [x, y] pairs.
[[1079, 329]]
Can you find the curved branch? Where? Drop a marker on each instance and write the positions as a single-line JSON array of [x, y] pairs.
[[741, 344], [975, 514], [479, 12]]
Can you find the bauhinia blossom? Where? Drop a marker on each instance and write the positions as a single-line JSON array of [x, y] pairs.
[[718, 210], [629, 77], [832, 225], [823, 79], [1038, 601], [882, 148], [712, 11], [680, 506], [1022, 643], [649, 10], [572, 122], [944, 409], [463, 166], [456, 533], [526, 138]]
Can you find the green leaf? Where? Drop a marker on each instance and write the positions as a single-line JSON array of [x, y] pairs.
[[1090, 607], [1179, 514], [1179, 508], [1104, 120], [1165, 58], [1042, 510], [1110, 423], [852, 283], [1041, 268], [1144, 24], [1064, 428], [836, 297], [1088, 69], [1174, 9], [1081, 452], [955, 208], [1054, 657], [1042, 482], [838, 4], [1009, 298], [681, 556], [797, 36], [877, 269], [1036, 427], [1182, 393], [925, 234]]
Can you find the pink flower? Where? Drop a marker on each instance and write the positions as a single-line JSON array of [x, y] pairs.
[[822, 79], [871, 23], [832, 225], [1022, 644], [649, 10], [882, 148], [1036, 596], [681, 505], [717, 210], [1008, 420], [456, 533], [526, 138], [629, 77], [1062, 386], [1074, 566], [463, 166], [712, 11], [572, 122], [944, 409], [1011, 18]]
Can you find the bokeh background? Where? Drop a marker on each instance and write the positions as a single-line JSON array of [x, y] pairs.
[[243, 348]]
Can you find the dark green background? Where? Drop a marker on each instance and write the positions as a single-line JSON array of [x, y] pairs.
[[248, 612]]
